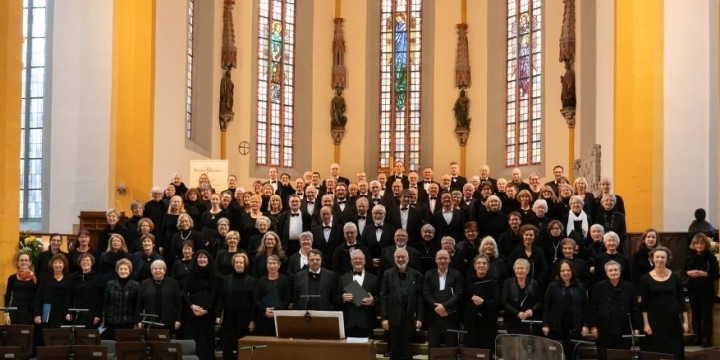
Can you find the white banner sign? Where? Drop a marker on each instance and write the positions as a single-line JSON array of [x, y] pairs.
[[215, 170]]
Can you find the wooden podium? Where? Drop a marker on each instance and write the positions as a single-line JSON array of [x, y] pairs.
[[306, 335]]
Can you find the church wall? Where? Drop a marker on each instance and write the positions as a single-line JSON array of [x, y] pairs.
[[80, 84], [585, 77], [604, 86], [688, 80], [172, 150]]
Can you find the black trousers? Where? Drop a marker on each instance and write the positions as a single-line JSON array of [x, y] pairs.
[[401, 337], [355, 331], [229, 339], [702, 317]]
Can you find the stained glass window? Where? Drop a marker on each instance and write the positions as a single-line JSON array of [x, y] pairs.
[[524, 83], [189, 79], [400, 80], [33, 108], [276, 80]]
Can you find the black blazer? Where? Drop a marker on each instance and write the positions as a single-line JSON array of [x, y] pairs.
[[328, 283], [236, 310], [457, 182], [375, 245], [344, 215], [392, 178], [454, 229], [341, 258], [284, 225], [316, 206], [171, 300], [387, 259], [327, 247], [390, 296], [362, 316], [450, 298], [415, 221]]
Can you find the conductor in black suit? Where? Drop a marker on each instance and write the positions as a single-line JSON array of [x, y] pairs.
[[442, 290], [315, 281], [359, 320], [402, 306]]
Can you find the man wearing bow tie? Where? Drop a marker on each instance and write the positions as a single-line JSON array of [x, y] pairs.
[[387, 257], [406, 217], [442, 290], [315, 281], [377, 234], [398, 175], [325, 200], [467, 204], [457, 180], [433, 203], [485, 176], [401, 306], [341, 256], [361, 217], [291, 224], [328, 234], [309, 204], [359, 320], [335, 174], [273, 181], [375, 197], [343, 207], [300, 188]]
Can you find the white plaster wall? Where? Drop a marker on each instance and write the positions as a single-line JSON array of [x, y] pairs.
[[686, 111], [171, 155], [80, 120], [605, 88]]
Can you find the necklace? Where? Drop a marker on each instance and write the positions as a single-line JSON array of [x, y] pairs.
[[184, 237]]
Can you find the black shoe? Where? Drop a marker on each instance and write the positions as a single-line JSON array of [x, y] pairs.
[[387, 354]]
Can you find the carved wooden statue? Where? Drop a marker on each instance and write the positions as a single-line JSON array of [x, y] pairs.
[[567, 96], [337, 110], [462, 111]]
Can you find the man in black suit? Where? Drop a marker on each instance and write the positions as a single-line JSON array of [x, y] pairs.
[[485, 176], [558, 171], [378, 234], [325, 200], [343, 207], [328, 234], [407, 218], [328, 187], [335, 174], [291, 224], [427, 179], [299, 188], [468, 203], [315, 281], [359, 320], [417, 204], [442, 290], [382, 178], [398, 175], [341, 256], [391, 199], [375, 197], [387, 259], [402, 307], [361, 216], [363, 189], [448, 221], [433, 203], [273, 180], [517, 180], [413, 180], [457, 180], [309, 203], [446, 184]]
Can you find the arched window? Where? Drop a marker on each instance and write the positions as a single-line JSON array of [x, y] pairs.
[[400, 81], [189, 80], [33, 109], [276, 80], [524, 83]]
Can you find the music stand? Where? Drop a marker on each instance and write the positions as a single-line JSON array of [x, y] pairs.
[[10, 352], [131, 350], [63, 336], [134, 335], [446, 353], [527, 347], [18, 335], [301, 324], [467, 353], [71, 352], [163, 350]]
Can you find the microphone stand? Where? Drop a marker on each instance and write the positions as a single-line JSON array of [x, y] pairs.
[[632, 337], [308, 316], [71, 335], [252, 349], [145, 338], [6, 309]]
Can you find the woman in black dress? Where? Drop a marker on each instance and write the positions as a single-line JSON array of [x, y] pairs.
[[249, 219], [160, 296], [120, 300], [521, 299], [580, 189], [170, 225], [611, 241], [663, 307], [548, 194], [532, 253], [564, 310], [482, 305], [108, 260], [145, 226], [193, 206], [612, 220], [605, 188], [273, 212], [113, 227], [641, 263], [208, 225], [235, 310], [182, 267], [224, 257], [52, 294], [142, 259], [272, 292], [497, 266], [20, 292], [186, 232], [86, 293], [271, 245], [262, 224], [701, 269], [493, 221], [199, 295]]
